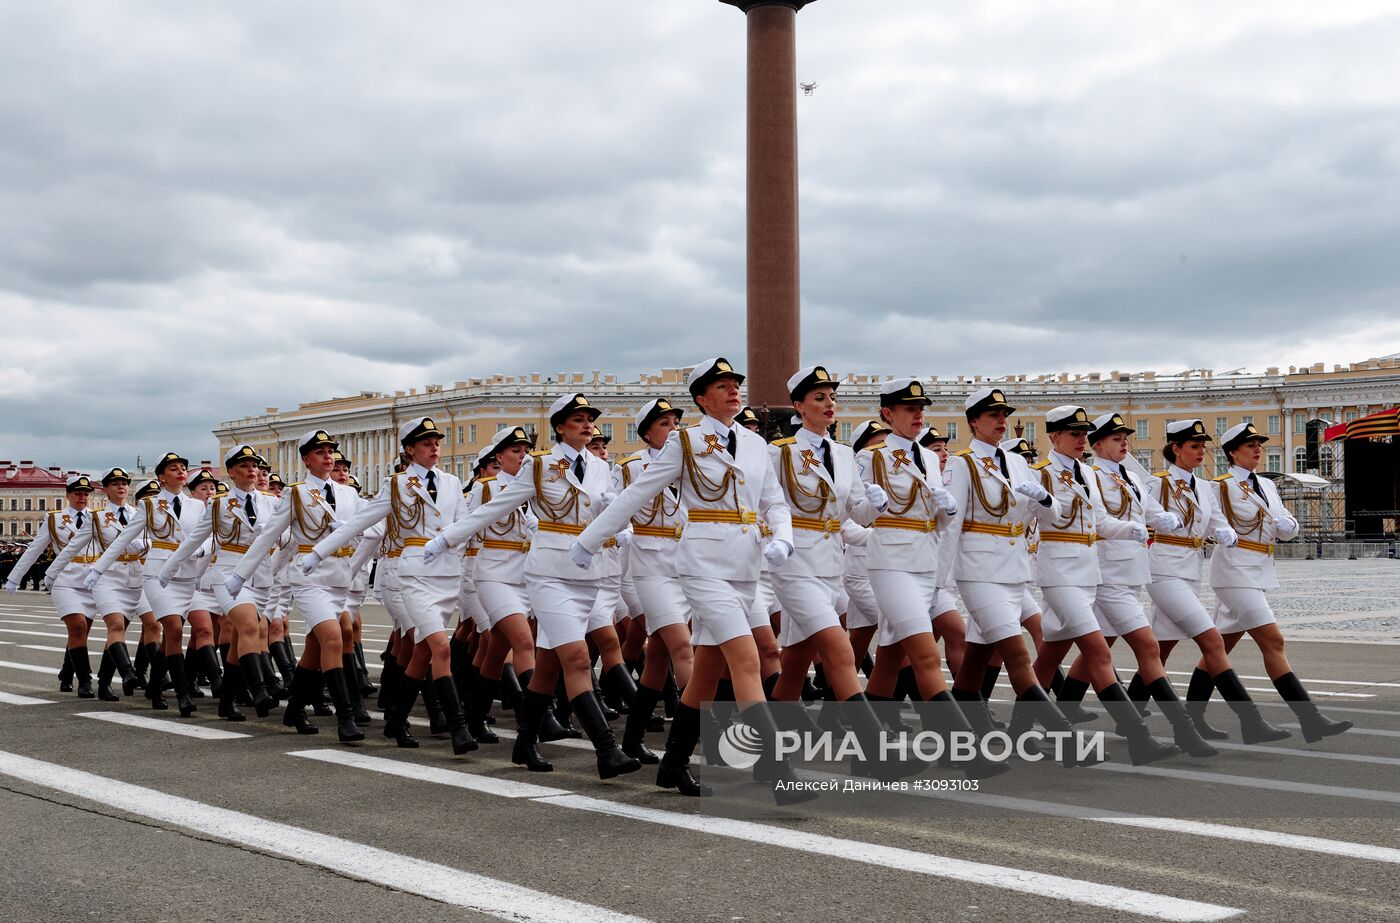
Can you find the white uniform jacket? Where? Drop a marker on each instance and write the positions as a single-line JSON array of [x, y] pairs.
[[1260, 519], [1178, 553], [58, 530], [657, 527], [819, 501], [225, 521], [1124, 561], [156, 522], [987, 537], [310, 518], [1066, 556], [905, 536]]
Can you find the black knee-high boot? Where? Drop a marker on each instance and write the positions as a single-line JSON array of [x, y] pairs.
[[286, 668], [82, 670], [1254, 729], [634, 732], [674, 771], [942, 715], [437, 720], [367, 688], [142, 664], [769, 768], [530, 714], [1071, 699], [175, 663], [478, 706], [155, 683], [1034, 706], [357, 706], [1197, 698], [1139, 694], [1143, 748], [406, 690], [1183, 728], [670, 694], [306, 684], [270, 679], [105, 670], [512, 686], [388, 677], [346, 729], [462, 740], [1314, 724], [208, 659], [618, 683], [611, 760], [233, 684], [252, 667], [122, 661], [65, 674]]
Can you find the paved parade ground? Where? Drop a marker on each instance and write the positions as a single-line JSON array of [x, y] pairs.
[[115, 812]]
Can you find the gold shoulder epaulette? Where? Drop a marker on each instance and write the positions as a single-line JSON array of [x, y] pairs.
[[536, 453], [1223, 477], [1043, 463], [486, 480], [1161, 474], [297, 484], [1097, 468], [788, 440], [963, 452], [629, 459]]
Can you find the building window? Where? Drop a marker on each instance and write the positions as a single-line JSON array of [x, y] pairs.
[[1275, 426], [1273, 461], [631, 432], [28, 503], [1221, 425], [1144, 458], [606, 430], [471, 433], [1300, 460], [459, 468], [43, 504], [14, 504], [1222, 464], [1350, 415], [1300, 424], [1247, 418], [459, 435], [1029, 431], [952, 433], [1328, 462], [846, 432], [1144, 429]]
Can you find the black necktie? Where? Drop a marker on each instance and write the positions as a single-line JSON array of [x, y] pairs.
[[1123, 473], [1079, 476], [1001, 460], [121, 515], [432, 484], [1253, 482], [248, 508], [578, 467], [918, 458], [79, 523], [176, 505], [329, 494], [826, 460], [732, 446], [1193, 486]]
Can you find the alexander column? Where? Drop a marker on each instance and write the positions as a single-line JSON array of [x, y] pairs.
[[774, 333]]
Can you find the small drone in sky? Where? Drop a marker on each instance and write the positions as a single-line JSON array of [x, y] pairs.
[[808, 88]]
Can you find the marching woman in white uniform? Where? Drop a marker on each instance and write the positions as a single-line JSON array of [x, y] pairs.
[[609, 606], [1243, 572], [117, 597], [1124, 569], [163, 521], [823, 488], [1175, 559], [204, 608], [1067, 571], [726, 482], [72, 596], [656, 535], [566, 488], [309, 508], [500, 574], [231, 522], [418, 503]]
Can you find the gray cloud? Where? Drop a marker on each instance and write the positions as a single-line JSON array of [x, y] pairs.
[[208, 210]]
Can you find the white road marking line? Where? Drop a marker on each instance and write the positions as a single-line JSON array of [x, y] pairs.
[[28, 667], [1270, 690], [159, 724], [487, 785], [11, 698], [1089, 893], [1334, 682], [37, 634], [1309, 754], [1277, 785], [354, 860], [1365, 732], [1077, 891]]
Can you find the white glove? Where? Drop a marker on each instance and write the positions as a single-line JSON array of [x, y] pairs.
[[532, 522], [11, 586], [944, 500], [606, 500], [624, 539], [164, 577], [1287, 524], [234, 584], [1137, 531], [1225, 536], [434, 548], [310, 562], [875, 495], [1167, 521], [47, 582], [580, 555], [90, 578], [776, 551], [1032, 491]]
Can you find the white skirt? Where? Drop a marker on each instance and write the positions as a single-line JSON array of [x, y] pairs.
[[862, 610], [1177, 613], [1241, 609], [318, 604], [993, 610], [809, 605], [1069, 612], [1030, 606], [74, 601], [719, 609], [907, 602], [169, 600], [428, 604], [562, 609], [502, 599], [663, 602], [607, 604], [120, 596], [1119, 610]]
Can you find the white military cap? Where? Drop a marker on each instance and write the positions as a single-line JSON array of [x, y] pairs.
[[418, 428], [1186, 430], [710, 370], [903, 391], [1067, 417], [79, 482], [240, 453], [115, 474], [1017, 444], [986, 399], [1106, 425], [566, 404], [652, 411], [504, 439], [314, 440], [865, 432], [813, 376], [1237, 436]]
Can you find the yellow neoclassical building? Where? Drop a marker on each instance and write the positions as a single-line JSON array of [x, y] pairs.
[[1279, 402]]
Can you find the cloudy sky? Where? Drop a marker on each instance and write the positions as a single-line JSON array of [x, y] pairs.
[[211, 208]]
